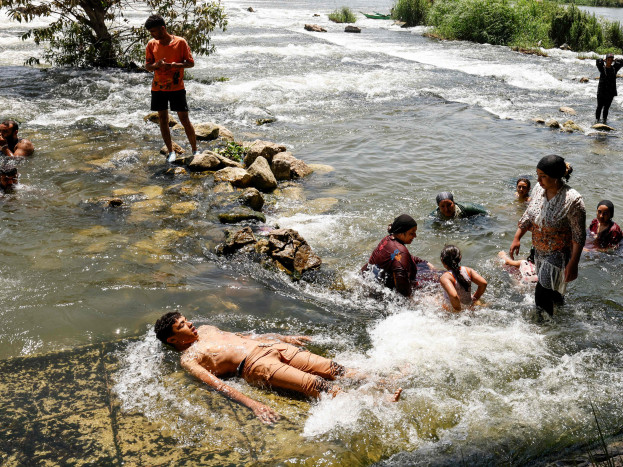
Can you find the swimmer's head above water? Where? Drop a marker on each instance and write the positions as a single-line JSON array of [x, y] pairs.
[[8, 177], [523, 188], [605, 211], [403, 228], [445, 203], [174, 329]]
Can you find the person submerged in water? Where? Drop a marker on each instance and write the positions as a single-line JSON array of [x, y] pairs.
[[522, 192], [391, 263], [448, 209], [457, 281], [525, 267], [10, 144], [267, 360], [603, 231]]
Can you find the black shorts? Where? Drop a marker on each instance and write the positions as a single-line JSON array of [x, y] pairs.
[[160, 100]]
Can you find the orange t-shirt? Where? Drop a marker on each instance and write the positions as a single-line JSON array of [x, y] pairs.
[[177, 51]]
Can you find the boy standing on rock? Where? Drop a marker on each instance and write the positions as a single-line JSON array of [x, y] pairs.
[[607, 88], [167, 56]]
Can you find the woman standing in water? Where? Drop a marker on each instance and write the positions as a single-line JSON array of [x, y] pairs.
[[557, 219], [391, 263], [604, 232]]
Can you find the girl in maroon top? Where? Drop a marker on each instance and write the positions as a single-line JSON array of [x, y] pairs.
[[604, 232], [391, 262]]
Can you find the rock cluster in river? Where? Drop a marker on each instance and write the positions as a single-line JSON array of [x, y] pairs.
[[286, 249]]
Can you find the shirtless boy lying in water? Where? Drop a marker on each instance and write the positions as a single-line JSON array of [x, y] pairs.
[[265, 360]]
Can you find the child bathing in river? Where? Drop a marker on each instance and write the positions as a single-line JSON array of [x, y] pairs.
[[457, 281], [526, 267]]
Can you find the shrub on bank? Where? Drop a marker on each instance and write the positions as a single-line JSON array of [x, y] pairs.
[[343, 15], [524, 23], [412, 12]]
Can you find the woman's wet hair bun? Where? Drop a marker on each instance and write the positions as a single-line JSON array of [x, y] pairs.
[[569, 171]]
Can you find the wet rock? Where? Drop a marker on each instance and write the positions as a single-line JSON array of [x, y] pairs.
[[176, 147], [567, 110], [325, 168], [602, 127], [570, 126], [225, 134], [124, 192], [176, 171], [300, 169], [152, 191], [294, 193], [285, 167], [261, 175], [207, 160], [253, 198], [154, 118], [314, 28], [292, 251], [184, 207], [539, 120], [264, 121], [227, 162], [206, 131], [316, 15], [241, 214], [262, 246], [149, 205], [354, 29], [551, 123], [320, 205], [250, 9], [112, 202], [584, 79], [234, 175], [258, 148], [223, 188], [238, 240]]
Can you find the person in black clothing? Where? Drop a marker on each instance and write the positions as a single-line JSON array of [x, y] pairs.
[[607, 88]]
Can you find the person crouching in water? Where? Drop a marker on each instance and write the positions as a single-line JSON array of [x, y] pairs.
[[457, 281], [525, 267], [603, 231], [391, 263]]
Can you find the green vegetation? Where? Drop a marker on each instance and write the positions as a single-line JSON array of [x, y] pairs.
[[412, 12], [233, 151], [524, 24], [96, 33], [343, 15]]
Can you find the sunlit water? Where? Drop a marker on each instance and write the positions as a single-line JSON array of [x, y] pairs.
[[400, 117]]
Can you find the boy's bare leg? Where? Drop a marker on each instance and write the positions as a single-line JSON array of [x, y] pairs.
[[189, 129], [163, 116]]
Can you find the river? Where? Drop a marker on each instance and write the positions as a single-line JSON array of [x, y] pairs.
[[400, 117]]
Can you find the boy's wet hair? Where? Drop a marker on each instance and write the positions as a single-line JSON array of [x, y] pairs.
[[526, 181], [154, 21], [164, 325], [12, 124]]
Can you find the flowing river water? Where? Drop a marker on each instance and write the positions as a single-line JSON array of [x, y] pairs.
[[400, 117]]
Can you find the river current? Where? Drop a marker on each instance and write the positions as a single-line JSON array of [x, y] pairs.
[[399, 117]]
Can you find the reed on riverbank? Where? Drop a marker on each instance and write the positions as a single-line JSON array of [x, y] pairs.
[[523, 23], [343, 15]]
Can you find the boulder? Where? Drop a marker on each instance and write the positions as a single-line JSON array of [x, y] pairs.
[[285, 167], [225, 134], [567, 110], [238, 239], [261, 175], [207, 160], [292, 251], [325, 168], [253, 198], [234, 175], [539, 120], [584, 79], [264, 121], [155, 118], [314, 28], [551, 123], [250, 9], [258, 148], [240, 214], [176, 147], [224, 187], [352, 29], [570, 126], [227, 162], [206, 131], [602, 127]]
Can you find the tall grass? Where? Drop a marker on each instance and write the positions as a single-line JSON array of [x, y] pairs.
[[343, 15], [412, 12], [524, 23]]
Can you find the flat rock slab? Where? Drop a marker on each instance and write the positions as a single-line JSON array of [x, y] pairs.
[[602, 127]]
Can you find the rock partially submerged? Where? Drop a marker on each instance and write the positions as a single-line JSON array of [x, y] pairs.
[[241, 214], [205, 161], [257, 148], [285, 167], [314, 28], [551, 123], [207, 131], [234, 175], [602, 127], [567, 110], [252, 198], [570, 126], [155, 118], [261, 175], [176, 147], [354, 29]]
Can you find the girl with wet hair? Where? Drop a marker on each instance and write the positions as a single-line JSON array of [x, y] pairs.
[[391, 263], [457, 281], [604, 232], [557, 219], [523, 190]]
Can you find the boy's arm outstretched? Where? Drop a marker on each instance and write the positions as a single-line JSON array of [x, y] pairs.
[[261, 411]]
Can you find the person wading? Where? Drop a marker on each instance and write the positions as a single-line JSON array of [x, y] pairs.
[[607, 88]]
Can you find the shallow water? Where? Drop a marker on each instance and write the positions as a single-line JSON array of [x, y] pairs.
[[400, 117]]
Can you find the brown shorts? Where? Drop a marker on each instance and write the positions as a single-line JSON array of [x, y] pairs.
[[288, 367]]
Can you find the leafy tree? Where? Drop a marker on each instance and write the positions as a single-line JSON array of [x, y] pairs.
[[86, 33]]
